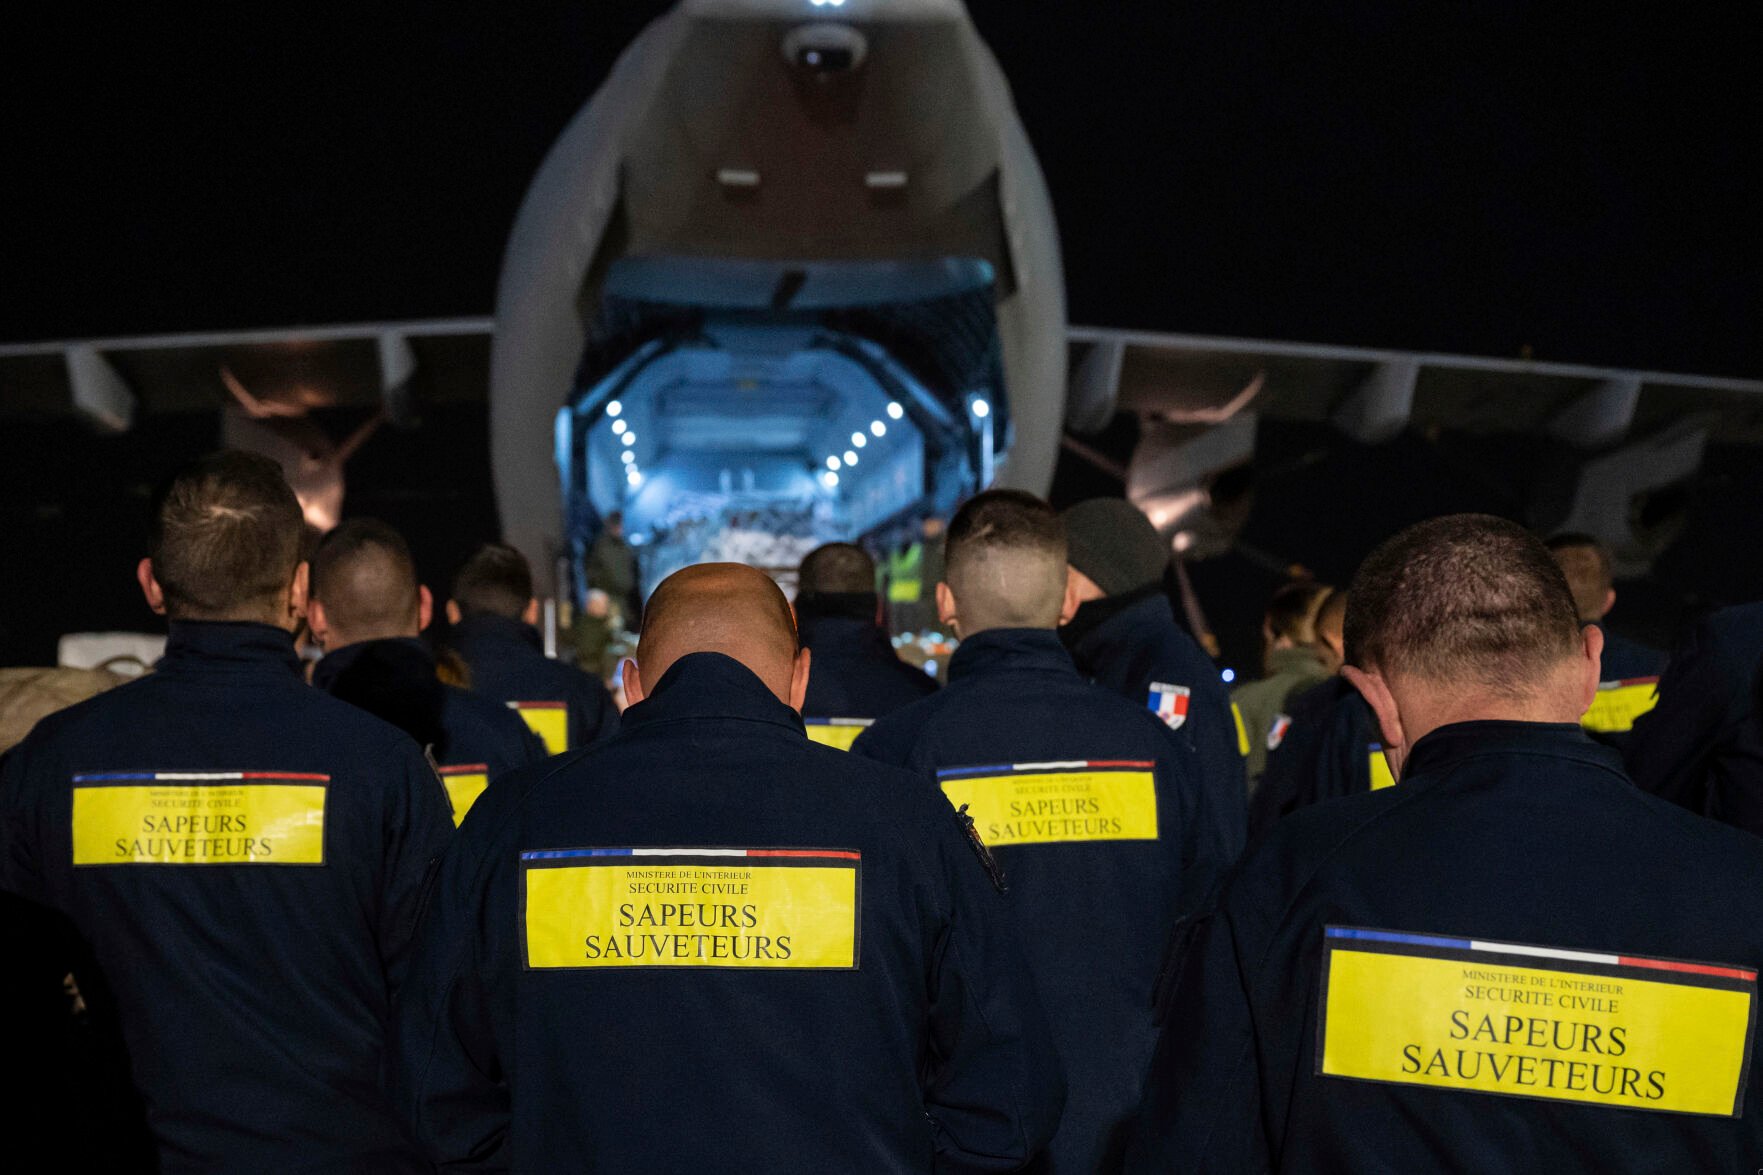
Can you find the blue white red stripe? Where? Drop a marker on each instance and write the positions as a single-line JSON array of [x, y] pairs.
[[568, 854], [195, 776], [1059, 765], [1510, 948], [1625, 682]]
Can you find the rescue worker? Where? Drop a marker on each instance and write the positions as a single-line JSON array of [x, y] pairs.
[[368, 612], [857, 675], [1493, 965], [612, 568], [709, 945], [1292, 664], [492, 612], [1630, 670], [243, 853], [1124, 637], [1092, 805], [1679, 746], [1326, 744]]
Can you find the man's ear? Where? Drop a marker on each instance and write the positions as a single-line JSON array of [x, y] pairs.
[[632, 678], [454, 615], [530, 615], [1376, 692], [1609, 601], [150, 586], [319, 623], [799, 679], [946, 613], [1591, 664], [299, 592], [1069, 605], [425, 607]]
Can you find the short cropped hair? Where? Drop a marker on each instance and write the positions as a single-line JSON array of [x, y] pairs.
[[225, 535], [1468, 598], [1005, 561], [365, 577], [1292, 611], [496, 581], [1586, 563], [836, 568]]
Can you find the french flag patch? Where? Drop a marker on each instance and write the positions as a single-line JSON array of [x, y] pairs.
[[1170, 703], [1276, 733]]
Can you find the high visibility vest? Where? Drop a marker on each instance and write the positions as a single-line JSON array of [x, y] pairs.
[[906, 575]]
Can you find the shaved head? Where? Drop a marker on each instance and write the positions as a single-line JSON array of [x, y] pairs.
[[725, 608], [365, 580], [1005, 563]]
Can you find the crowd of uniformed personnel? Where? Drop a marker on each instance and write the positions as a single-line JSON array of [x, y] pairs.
[[1401, 906]]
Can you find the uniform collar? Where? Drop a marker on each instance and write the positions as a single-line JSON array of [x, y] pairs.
[[710, 685], [403, 654], [1115, 622], [1451, 745], [487, 627], [229, 643], [839, 634], [1009, 649]]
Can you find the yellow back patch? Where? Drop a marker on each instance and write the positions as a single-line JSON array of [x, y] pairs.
[[464, 784], [1537, 1022], [687, 907], [838, 733], [199, 818], [548, 720], [1242, 730], [1619, 703], [1048, 803], [1381, 775]]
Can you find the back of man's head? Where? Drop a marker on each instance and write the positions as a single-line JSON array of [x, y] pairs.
[[496, 581], [836, 569], [1586, 563], [364, 581], [725, 608], [1004, 563], [1468, 602], [224, 537]]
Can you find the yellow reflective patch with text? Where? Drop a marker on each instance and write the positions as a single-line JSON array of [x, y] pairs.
[[681, 907], [548, 720], [838, 733], [464, 785], [1619, 703], [1538, 1022], [1048, 803], [199, 818]]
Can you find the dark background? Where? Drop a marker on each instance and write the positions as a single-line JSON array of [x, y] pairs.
[[1478, 179]]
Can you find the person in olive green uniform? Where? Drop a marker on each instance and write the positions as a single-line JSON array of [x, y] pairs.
[[1295, 660]]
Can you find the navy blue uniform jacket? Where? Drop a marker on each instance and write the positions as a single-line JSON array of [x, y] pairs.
[[1500, 832], [508, 665], [395, 680], [1704, 698], [254, 997], [1095, 914], [1130, 643], [1325, 754], [855, 672], [933, 1050]]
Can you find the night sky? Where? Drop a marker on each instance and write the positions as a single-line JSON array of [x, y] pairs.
[[1477, 178]]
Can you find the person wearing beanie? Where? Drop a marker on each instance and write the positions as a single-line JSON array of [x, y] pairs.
[[1124, 637], [857, 675]]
